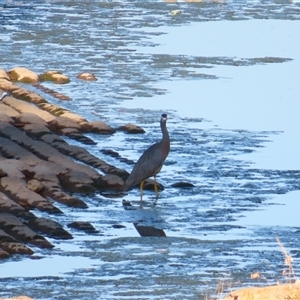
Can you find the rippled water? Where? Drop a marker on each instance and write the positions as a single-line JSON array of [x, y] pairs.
[[226, 74]]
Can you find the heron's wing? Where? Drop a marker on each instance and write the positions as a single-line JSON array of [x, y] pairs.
[[149, 164]]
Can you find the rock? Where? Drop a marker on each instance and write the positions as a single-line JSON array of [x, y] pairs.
[[112, 181], [74, 117], [35, 186], [4, 117], [131, 128], [60, 123], [36, 130], [182, 184], [23, 75], [7, 110], [82, 225], [24, 107], [18, 298], [17, 189], [54, 76], [101, 127], [29, 118], [52, 92], [58, 195], [281, 291], [87, 76], [3, 255], [8, 205], [77, 181], [50, 228], [18, 230], [4, 75]]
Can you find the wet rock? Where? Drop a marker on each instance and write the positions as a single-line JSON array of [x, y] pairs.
[[18, 230], [24, 107], [131, 128], [87, 76], [149, 185], [100, 127], [148, 230], [35, 186], [82, 225], [182, 184], [23, 75], [4, 75], [50, 228], [118, 226], [55, 76]]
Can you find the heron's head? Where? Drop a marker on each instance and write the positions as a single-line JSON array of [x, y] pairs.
[[164, 117]]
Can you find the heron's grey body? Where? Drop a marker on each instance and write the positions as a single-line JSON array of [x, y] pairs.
[[151, 161]]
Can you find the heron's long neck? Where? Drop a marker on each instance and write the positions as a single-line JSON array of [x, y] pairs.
[[165, 138]]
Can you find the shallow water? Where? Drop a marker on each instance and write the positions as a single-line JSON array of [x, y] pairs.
[[226, 74]]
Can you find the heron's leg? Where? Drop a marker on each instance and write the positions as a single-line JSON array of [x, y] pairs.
[[155, 187], [141, 190]]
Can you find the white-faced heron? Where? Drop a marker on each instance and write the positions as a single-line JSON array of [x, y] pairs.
[[151, 161]]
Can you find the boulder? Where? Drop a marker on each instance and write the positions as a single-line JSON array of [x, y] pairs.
[[24, 107], [131, 128], [83, 225], [30, 118], [17, 189], [7, 110], [55, 76], [100, 127], [8, 205], [87, 76], [23, 75], [60, 123], [112, 181], [36, 130], [50, 228], [19, 231], [4, 75], [4, 117]]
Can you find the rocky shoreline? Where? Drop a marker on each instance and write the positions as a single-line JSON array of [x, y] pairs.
[[38, 168]]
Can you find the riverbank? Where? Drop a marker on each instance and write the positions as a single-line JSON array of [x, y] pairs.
[[39, 169]]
